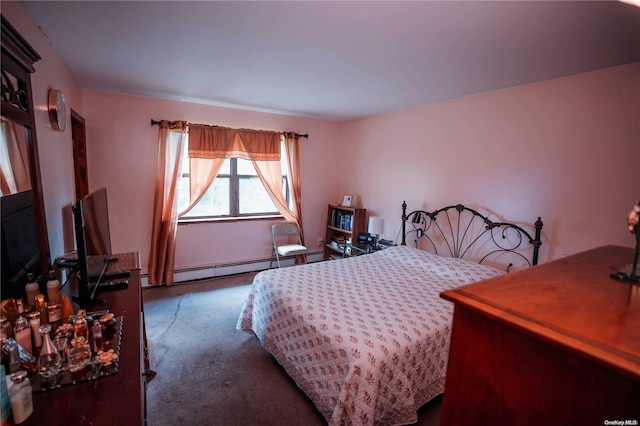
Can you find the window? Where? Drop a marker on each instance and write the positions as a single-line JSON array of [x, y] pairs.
[[235, 192]]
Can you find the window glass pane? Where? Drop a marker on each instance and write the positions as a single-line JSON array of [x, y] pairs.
[[245, 167], [214, 202], [254, 198], [226, 167], [183, 193], [283, 159]]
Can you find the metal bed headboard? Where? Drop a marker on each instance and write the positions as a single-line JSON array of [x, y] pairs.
[[461, 229]]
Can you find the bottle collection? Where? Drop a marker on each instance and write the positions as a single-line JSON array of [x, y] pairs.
[[45, 346]]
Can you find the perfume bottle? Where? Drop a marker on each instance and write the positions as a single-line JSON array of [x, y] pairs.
[[98, 344], [79, 354], [49, 360], [80, 326]]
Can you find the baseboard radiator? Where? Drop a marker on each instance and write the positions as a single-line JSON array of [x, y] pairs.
[[221, 269]]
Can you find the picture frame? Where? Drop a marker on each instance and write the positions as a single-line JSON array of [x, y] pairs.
[[346, 200]]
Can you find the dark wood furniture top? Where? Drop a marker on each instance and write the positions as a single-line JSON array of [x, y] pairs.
[[572, 302], [111, 400], [558, 343]]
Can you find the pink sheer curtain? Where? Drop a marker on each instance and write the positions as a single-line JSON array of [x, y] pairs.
[[204, 163], [209, 146], [171, 140], [211, 143], [292, 147]]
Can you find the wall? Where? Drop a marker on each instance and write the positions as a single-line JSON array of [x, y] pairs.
[[565, 149], [122, 153], [55, 148]]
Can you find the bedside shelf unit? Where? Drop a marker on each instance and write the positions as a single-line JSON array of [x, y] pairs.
[[344, 224]]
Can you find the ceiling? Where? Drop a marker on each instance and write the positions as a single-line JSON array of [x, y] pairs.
[[332, 60]]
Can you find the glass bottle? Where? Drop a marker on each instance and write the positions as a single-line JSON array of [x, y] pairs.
[[12, 349], [22, 333], [80, 326], [21, 398], [49, 360], [54, 315], [98, 344], [79, 354], [41, 306], [7, 330]]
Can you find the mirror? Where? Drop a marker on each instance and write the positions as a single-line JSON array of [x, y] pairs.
[[15, 175], [25, 244]]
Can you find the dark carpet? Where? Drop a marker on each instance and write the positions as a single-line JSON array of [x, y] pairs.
[[209, 373]]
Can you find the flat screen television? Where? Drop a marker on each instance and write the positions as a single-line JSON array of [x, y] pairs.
[[93, 242]]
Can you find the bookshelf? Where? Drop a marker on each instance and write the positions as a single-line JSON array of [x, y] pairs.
[[343, 225]]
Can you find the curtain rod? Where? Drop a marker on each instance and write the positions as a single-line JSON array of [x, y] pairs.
[[155, 123]]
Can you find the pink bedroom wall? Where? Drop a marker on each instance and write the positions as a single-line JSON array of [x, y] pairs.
[[55, 148], [565, 149], [122, 152]]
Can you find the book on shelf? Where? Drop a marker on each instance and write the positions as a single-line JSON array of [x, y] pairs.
[[341, 219]]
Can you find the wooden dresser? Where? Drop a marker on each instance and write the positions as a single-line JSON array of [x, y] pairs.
[[558, 344], [112, 400]]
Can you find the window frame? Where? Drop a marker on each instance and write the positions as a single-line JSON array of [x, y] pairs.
[[234, 195]]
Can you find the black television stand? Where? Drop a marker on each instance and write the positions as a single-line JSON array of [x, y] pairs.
[[91, 301], [110, 275]]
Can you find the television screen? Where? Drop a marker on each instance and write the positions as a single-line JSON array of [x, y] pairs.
[[93, 241], [95, 215]]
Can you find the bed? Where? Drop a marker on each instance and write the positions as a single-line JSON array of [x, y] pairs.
[[367, 337]]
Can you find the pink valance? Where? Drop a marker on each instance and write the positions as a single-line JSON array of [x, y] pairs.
[[222, 142]]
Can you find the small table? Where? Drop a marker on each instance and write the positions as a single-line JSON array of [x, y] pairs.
[[348, 249]]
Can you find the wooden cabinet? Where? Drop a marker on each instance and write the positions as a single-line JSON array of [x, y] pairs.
[[343, 225], [113, 400], [558, 343]]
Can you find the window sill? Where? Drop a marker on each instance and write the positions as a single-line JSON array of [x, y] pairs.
[[189, 221]]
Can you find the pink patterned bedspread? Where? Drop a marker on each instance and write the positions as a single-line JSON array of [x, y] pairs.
[[366, 338]]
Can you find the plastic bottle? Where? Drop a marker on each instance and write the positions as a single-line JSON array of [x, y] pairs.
[[34, 322], [31, 288], [5, 408], [22, 333], [21, 398], [53, 289]]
